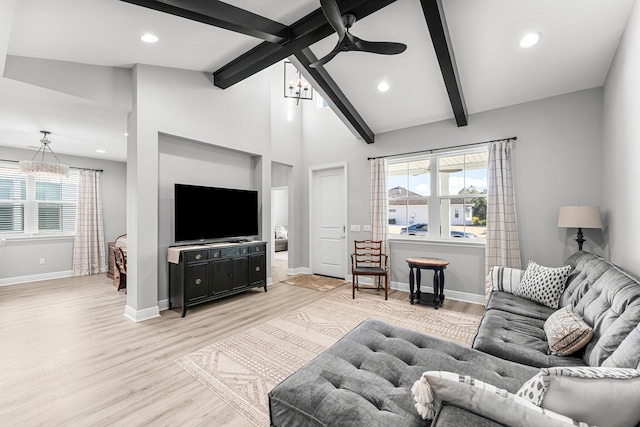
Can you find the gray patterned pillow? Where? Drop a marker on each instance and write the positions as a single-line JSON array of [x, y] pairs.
[[598, 396], [543, 285], [566, 332]]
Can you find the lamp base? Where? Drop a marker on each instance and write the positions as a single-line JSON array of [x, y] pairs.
[[580, 239]]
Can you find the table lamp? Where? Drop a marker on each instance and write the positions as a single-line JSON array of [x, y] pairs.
[[579, 217]]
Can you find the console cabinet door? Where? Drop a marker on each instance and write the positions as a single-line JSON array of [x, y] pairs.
[[239, 273], [220, 279], [257, 268], [197, 281]]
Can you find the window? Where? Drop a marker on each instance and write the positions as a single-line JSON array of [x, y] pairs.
[[453, 184], [37, 204]]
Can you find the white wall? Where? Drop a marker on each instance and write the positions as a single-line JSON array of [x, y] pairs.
[[19, 260], [190, 162], [556, 162], [186, 105], [281, 207], [621, 150]]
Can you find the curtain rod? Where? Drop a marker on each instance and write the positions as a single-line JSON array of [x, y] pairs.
[[444, 148], [70, 167]]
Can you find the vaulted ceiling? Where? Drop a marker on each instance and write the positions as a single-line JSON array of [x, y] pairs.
[[462, 57]]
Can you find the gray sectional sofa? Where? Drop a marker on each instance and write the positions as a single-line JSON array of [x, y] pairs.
[[365, 379]]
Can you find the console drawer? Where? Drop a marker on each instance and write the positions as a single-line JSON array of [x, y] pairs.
[[229, 252], [197, 256]]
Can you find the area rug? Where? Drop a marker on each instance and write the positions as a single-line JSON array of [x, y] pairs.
[[244, 367], [313, 281]]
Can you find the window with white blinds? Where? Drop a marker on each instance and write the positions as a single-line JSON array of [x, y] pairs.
[[32, 204]]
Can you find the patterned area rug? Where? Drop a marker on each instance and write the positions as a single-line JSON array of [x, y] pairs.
[[244, 367], [312, 281]]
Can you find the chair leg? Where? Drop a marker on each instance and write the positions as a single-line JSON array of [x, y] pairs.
[[353, 286], [386, 286]]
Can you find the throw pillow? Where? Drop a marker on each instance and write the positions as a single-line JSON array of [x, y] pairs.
[[566, 332], [599, 396], [543, 285], [281, 232], [506, 279], [483, 399]]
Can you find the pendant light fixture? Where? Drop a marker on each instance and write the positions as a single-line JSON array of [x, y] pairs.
[[40, 167], [295, 85]]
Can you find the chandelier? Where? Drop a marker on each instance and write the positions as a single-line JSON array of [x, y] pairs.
[[40, 167], [295, 85]]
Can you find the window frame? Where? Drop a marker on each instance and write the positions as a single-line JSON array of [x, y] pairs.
[[31, 211], [435, 198]]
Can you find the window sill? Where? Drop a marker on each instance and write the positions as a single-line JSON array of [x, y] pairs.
[[439, 242], [37, 237]]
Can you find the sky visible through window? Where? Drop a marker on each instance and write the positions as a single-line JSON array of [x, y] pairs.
[[421, 183]]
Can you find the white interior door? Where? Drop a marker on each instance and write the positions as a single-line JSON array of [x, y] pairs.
[[328, 217]]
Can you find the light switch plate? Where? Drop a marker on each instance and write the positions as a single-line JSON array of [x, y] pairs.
[[355, 228], [366, 228]]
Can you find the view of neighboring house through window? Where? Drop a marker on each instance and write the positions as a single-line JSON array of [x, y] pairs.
[[439, 196], [37, 204]]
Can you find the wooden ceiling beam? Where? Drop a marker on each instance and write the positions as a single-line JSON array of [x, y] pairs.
[[437, 24], [222, 15], [325, 84], [303, 33]]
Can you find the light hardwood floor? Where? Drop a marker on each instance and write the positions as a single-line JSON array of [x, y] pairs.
[[69, 357]]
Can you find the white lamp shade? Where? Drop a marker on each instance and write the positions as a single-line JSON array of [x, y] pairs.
[[579, 217]]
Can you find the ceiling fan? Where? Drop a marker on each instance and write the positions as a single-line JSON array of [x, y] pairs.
[[348, 42]]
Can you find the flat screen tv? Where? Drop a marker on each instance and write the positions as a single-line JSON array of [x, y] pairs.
[[212, 213]]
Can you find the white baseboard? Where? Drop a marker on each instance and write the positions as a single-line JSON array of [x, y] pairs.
[[35, 278], [299, 270], [163, 304], [449, 294], [141, 315]]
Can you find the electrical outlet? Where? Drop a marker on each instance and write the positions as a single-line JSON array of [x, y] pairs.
[[41, 261], [355, 228], [366, 228]]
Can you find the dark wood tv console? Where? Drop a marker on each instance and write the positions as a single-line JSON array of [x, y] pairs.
[[204, 273]]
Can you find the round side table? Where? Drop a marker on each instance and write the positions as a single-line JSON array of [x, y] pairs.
[[438, 266]]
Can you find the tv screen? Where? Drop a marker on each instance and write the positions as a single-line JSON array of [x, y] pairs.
[[211, 213]]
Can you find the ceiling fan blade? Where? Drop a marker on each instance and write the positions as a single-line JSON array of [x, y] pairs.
[[384, 48], [332, 13], [326, 58]]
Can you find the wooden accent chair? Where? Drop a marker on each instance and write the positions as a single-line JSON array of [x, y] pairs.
[[368, 260], [120, 271]]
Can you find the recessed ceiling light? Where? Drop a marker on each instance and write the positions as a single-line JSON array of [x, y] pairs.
[[529, 40], [149, 38], [126, 134], [383, 86], [101, 151]]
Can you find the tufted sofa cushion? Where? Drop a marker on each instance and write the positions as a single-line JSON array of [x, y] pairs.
[[518, 338], [607, 299], [366, 378], [510, 303]]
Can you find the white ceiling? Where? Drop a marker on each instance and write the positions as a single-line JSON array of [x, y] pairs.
[[579, 38]]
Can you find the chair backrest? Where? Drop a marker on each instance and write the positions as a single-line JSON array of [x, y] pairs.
[[368, 253], [119, 258]]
